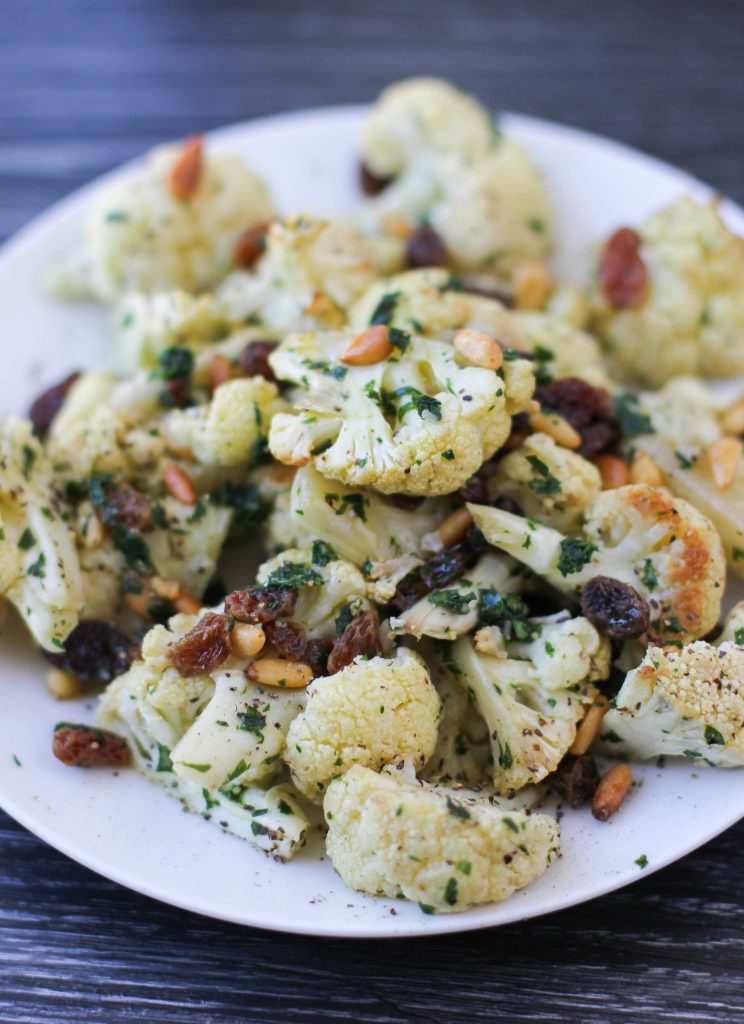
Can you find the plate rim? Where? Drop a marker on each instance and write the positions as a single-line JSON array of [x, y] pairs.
[[45, 221]]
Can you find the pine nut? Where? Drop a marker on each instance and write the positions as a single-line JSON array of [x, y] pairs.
[[247, 640], [167, 589], [277, 672], [479, 348], [613, 787], [532, 285], [220, 371], [187, 604], [397, 226], [643, 470], [455, 527], [557, 427], [724, 459], [369, 347], [139, 604], [92, 531], [587, 731], [324, 308], [63, 685], [614, 471], [732, 420], [178, 483], [186, 173]]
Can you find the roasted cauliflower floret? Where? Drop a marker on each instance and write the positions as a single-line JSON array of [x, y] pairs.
[[39, 567], [690, 318], [445, 849], [659, 545], [145, 325], [449, 166], [533, 697], [370, 713], [549, 483], [561, 349], [140, 237], [415, 423], [684, 702], [462, 755], [231, 428], [310, 273]]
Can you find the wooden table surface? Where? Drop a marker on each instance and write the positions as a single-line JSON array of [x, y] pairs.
[[85, 85]]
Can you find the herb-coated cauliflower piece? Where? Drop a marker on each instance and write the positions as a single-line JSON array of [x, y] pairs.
[[463, 751], [362, 526], [533, 698], [140, 237], [186, 548], [168, 719], [145, 325], [478, 190], [370, 713], [325, 585], [309, 274], [676, 427], [415, 423], [684, 702], [448, 612], [549, 483], [39, 567], [231, 428], [659, 545], [445, 849], [561, 349], [733, 626], [691, 318]]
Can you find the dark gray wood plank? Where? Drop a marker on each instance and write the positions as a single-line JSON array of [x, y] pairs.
[[85, 84]]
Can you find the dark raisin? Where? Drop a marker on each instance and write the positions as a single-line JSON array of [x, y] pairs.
[[96, 652], [408, 502], [508, 504], [370, 183], [587, 409], [261, 604], [407, 593], [501, 293], [214, 592], [576, 779], [425, 248], [83, 746], [290, 640], [615, 608], [250, 245], [520, 431], [124, 505], [175, 393], [361, 637], [622, 272], [204, 648], [48, 404], [474, 490], [448, 565], [254, 359]]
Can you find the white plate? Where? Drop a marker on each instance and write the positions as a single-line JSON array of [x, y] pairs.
[[131, 831]]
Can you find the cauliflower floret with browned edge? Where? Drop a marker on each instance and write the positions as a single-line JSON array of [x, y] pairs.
[[462, 755], [370, 713], [690, 317], [140, 237], [445, 849], [308, 276], [419, 422], [447, 164], [533, 695], [684, 702], [549, 483], [659, 545]]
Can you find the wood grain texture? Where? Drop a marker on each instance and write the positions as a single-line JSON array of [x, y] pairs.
[[85, 85]]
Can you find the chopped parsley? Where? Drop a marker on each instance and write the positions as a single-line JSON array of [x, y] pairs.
[[253, 721], [630, 419], [449, 455], [323, 553], [348, 504], [250, 508], [452, 600], [399, 339], [295, 575], [506, 759], [164, 763], [648, 577], [417, 402], [457, 810], [713, 737], [574, 555], [38, 569], [27, 540], [450, 892], [385, 309], [685, 462], [508, 612], [641, 861], [739, 637], [544, 483]]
